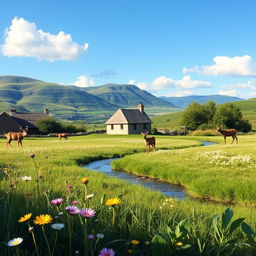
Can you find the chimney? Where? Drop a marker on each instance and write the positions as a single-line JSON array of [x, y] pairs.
[[141, 108], [46, 111], [13, 110]]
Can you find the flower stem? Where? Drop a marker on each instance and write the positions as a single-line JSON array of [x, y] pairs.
[[47, 243], [55, 242]]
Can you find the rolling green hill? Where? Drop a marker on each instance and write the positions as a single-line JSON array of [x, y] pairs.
[[129, 96], [173, 120]]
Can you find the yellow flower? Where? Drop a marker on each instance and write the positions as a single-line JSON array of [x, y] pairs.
[[135, 242], [113, 201], [130, 251], [25, 218], [43, 219], [85, 181], [179, 243]]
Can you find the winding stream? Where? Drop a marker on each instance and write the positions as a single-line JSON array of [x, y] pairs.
[[166, 188]]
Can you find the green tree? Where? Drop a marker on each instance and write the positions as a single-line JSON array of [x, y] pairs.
[[49, 125], [199, 115], [230, 116]]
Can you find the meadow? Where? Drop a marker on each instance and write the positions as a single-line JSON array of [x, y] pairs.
[[54, 206]]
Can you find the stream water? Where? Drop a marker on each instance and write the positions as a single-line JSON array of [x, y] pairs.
[[167, 189]]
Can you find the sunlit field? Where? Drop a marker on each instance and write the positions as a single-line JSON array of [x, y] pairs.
[[83, 221]]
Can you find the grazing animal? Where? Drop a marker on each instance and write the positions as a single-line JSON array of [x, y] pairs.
[[19, 136], [149, 141], [227, 133], [63, 135]]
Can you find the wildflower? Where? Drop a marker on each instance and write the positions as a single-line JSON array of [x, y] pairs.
[[72, 209], [43, 219], [74, 202], [87, 213], [100, 235], [90, 237], [76, 252], [113, 202], [31, 229], [130, 251], [89, 196], [26, 178], [57, 201], [85, 181], [25, 218], [60, 213], [32, 156], [179, 243], [15, 241], [107, 252], [147, 243], [57, 226], [135, 242], [40, 176]]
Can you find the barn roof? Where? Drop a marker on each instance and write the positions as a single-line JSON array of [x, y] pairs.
[[129, 116], [8, 124], [28, 119]]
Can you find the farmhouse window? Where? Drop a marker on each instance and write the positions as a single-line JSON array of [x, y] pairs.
[[144, 126], [121, 126], [135, 127], [112, 127]]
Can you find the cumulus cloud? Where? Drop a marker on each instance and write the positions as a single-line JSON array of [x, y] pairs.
[[24, 39], [180, 94], [230, 66], [84, 81], [163, 82], [247, 85]]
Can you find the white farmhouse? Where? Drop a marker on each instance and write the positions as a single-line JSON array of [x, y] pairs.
[[129, 121]]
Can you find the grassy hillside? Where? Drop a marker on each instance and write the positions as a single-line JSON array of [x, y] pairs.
[[173, 120], [129, 96]]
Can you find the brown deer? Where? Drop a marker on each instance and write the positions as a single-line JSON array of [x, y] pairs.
[[227, 133], [63, 135], [19, 136], [149, 141]]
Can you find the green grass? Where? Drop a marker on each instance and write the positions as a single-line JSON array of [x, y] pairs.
[[141, 213]]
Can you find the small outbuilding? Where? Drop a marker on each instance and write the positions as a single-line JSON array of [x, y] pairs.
[[129, 121], [16, 120]]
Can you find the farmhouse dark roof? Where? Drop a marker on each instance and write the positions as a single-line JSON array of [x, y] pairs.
[[129, 116], [8, 124], [28, 119]]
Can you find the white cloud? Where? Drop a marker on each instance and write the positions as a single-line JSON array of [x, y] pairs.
[[247, 85], [163, 82], [180, 94], [23, 39], [84, 81], [230, 66], [229, 93]]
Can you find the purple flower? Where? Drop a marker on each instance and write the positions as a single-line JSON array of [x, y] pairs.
[[87, 213], [107, 252], [72, 209], [32, 155], [90, 237], [57, 201]]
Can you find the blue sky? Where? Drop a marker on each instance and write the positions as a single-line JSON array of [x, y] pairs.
[[168, 47]]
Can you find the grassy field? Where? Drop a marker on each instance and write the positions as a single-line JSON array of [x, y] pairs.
[[56, 171]]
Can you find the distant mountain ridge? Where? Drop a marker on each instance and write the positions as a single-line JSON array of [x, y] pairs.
[[183, 102]]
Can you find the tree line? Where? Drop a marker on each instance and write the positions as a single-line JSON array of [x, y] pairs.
[[208, 116]]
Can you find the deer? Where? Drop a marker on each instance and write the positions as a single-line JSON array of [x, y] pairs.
[[63, 135], [227, 133], [19, 136], [149, 141]]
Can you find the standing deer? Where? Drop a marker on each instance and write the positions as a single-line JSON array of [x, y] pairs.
[[227, 133], [19, 136], [63, 135], [149, 141]]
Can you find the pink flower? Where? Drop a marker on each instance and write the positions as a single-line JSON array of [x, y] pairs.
[[90, 237], [74, 202], [57, 201], [107, 252], [72, 209], [87, 213]]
